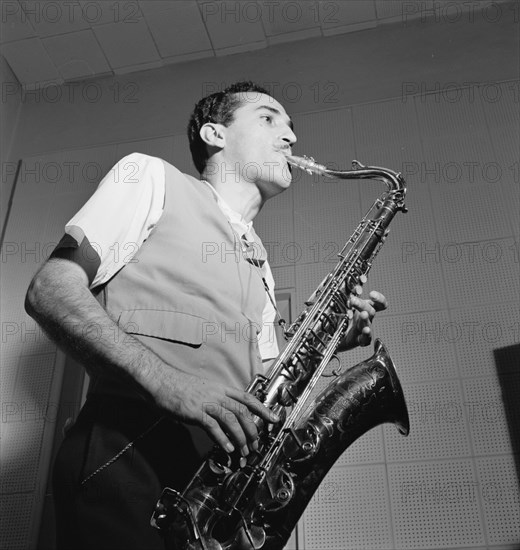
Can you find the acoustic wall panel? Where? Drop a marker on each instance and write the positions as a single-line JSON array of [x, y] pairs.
[[16, 511], [25, 411], [326, 212], [162, 147], [386, 123], [420, 344], [479, 330], [468, 214], [275, 226], [325, 132], [76, 172], [181, 156], [503, 120], [284, 277], [23, 442], [482, 273], [486, 415], [441, 115], [37, 179], [500, 495], [438, 428], [24, 230], [413, 281], [368, 449], [60, 213], [435, 505], [350, 511], [500, 103], [321, 233]]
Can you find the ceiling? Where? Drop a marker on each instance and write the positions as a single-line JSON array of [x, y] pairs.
[[64, 41]]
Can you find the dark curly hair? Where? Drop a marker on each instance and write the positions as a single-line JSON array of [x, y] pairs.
[[218, 108]]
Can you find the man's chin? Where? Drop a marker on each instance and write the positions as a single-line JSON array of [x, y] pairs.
[[279, 185]]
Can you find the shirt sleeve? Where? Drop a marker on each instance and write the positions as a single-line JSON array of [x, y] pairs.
[[121, 213]]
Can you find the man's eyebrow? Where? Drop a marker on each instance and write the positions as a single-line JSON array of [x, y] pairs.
[[276, 112]]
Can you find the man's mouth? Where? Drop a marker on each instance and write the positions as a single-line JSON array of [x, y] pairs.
[[286, 152]]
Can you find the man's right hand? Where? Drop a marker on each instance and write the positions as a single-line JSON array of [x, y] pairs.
[[59, 299], [225, 413]]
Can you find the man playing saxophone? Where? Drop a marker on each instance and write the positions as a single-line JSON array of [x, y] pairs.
[[150, 325]]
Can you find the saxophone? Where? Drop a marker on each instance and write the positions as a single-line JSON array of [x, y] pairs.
[[254, 503]]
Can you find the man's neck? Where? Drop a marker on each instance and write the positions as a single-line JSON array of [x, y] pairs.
[[241, 196]]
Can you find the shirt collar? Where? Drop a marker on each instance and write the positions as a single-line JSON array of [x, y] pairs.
[[244, 228]]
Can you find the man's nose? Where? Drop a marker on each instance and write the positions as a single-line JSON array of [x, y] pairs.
[[289, 137]]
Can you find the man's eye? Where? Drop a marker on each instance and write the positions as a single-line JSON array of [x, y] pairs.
[[269, 118]]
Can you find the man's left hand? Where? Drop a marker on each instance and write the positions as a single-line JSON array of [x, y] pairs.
[[359, 332]]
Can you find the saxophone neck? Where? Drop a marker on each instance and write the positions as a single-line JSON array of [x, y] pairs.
[[394, 181]]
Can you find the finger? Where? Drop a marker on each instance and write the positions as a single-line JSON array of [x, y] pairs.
[[212, 427], [245, 419], [378, 300], [247, 423], [227, 417], [365, 337], [362, 305], [361, 319], [254, 405]]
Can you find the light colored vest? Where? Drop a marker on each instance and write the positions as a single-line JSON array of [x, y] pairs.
[[189, 294]]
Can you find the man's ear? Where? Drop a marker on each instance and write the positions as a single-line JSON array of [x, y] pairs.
[[212, 134]]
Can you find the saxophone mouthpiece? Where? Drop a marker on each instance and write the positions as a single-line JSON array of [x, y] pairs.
[[308, 164]]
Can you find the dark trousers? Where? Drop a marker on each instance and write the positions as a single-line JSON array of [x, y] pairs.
[[104, 498]]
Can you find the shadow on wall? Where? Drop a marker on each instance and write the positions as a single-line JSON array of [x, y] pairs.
[[507, 361]]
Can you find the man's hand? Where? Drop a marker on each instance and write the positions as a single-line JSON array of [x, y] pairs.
[[226, 414], [59, 299], [359, 332]]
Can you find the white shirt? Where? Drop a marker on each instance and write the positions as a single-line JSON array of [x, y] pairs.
[[121, 214]]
